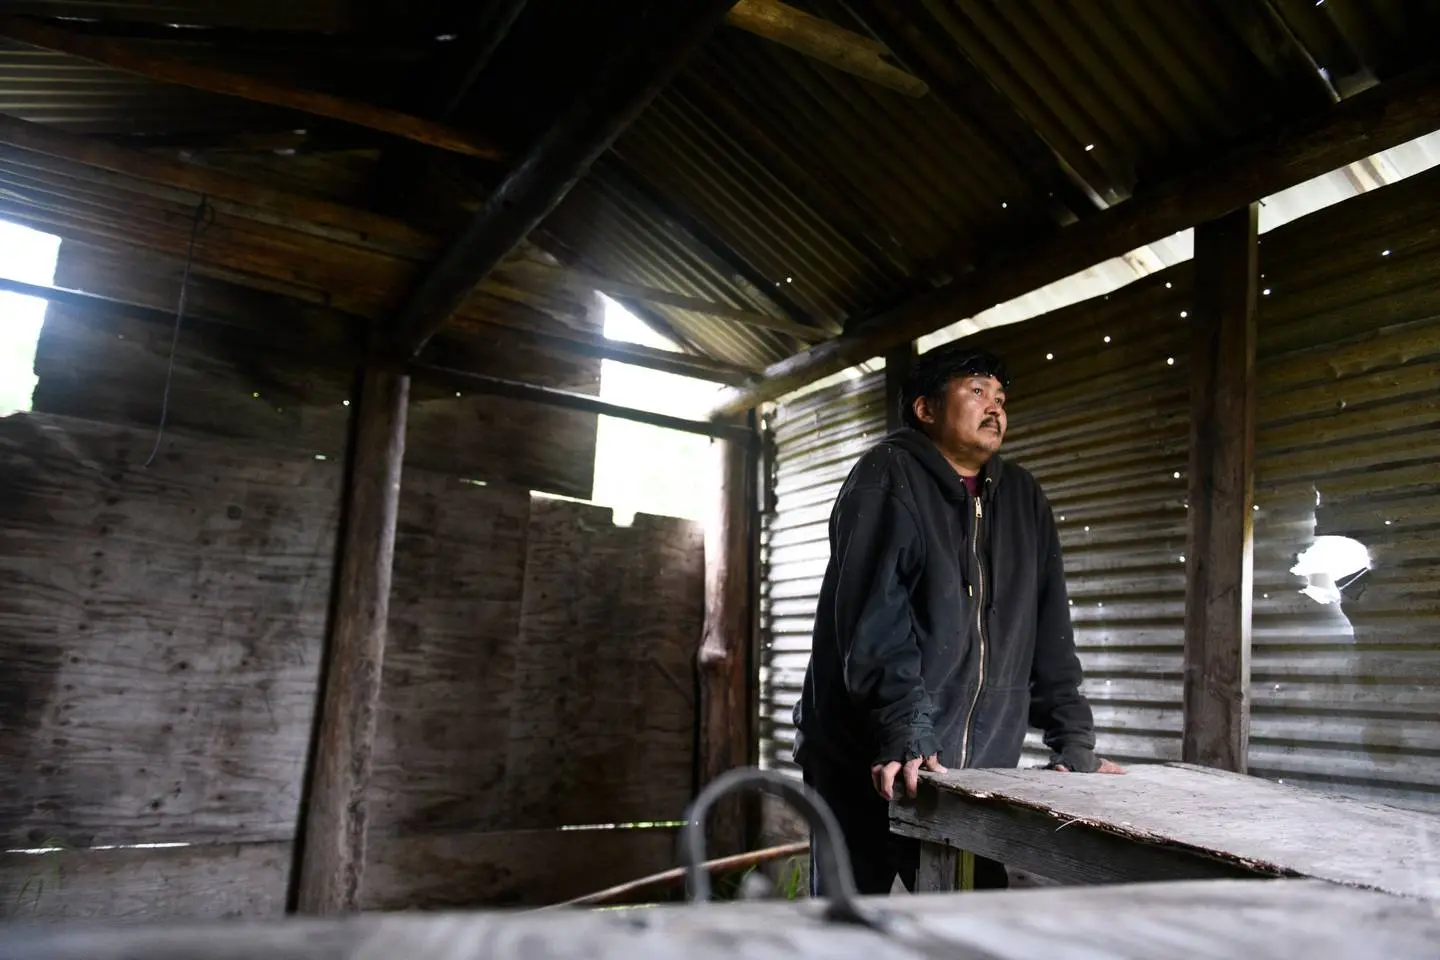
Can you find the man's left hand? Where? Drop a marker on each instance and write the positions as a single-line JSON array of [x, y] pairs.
[[1106, 766]]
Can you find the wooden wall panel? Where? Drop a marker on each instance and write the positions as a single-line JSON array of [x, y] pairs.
[[450, 657], [604, 695], [206, 882], [114, 370], [511, 868], [160, 630]]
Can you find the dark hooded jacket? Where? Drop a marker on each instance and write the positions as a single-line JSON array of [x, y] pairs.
[[943, 624]]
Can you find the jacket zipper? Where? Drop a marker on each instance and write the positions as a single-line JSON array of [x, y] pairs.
[[979, 603]]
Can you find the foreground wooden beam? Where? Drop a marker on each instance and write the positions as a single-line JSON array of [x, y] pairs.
[[723, 660], [1219, 567], [130, 58], [627, 81], [1393, 113], [332, 841], [824, 41], [583, 282]]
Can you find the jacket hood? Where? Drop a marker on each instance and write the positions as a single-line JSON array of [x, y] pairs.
[[924, 450]]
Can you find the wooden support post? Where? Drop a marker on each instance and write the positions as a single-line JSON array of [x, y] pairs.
[[332, 847], [1219, 568], [897, 368], [723, 662]]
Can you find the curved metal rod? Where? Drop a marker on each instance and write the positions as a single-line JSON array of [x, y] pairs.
[[835, 869]]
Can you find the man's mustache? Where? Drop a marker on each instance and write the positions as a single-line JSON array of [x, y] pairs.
[[990, 422]]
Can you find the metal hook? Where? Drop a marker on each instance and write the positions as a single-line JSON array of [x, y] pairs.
[[835, 868]]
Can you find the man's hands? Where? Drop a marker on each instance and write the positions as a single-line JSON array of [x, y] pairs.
[[1106, 766], [882, 775]]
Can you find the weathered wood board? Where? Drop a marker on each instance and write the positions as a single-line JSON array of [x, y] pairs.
[[160, 631], [602, 713], [114, 370], [449, 676], [204, 882], [1217, 920], [510, 868], [1176, 821]]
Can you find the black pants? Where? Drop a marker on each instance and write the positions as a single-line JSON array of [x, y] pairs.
[[877, 856]]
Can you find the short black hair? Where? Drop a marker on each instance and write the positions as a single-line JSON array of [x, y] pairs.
[[933, 371]]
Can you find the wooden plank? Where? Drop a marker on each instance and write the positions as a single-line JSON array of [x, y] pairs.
[[160, 633], [1177, 809], [449, 679], [1186, 921], [292, 210], [824, 41], [1390, 114], [1219, 553], [628, 79], [128, 885], [939, 870], [604, 698], [724, 658], [532, 868], [133, 58], [332, 837]]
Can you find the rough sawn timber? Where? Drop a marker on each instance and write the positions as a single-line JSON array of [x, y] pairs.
[[1174, 821], [1222, 920]]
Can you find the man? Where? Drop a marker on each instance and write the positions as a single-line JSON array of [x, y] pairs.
[[943, 625]]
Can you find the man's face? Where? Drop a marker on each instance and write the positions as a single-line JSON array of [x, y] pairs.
[[970, 424]]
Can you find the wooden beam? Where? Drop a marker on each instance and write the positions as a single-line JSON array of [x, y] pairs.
[[585, 282], [130, 58], [824, 41], [478, 43], [1380, 118], [898, 363], [626, 82], [569, 400], [1219, 566], [291, 210], [723, 660], [332, 847], [1265, 33]]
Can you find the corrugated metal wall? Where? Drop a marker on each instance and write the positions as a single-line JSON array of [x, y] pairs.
[[1347, 698], [1104, 427], [816, 439]]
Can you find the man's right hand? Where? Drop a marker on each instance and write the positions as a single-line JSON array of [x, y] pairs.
[[883, 774]]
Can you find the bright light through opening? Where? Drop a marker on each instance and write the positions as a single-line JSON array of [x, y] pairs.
[[28, 256], [1330, 564]]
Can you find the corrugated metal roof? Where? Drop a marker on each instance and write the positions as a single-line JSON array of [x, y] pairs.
[[823, 194]]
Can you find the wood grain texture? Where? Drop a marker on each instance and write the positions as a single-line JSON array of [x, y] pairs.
[[132, 58], [332, 835], [602, 720], [449, 871], [450, 662], [205, 882], [1162, 811], [160, 631], [114, 369], [939, 868], [1220, 568], [724, 658], [1265, 920]]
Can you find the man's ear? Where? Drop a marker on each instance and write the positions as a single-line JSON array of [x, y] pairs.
[[924, 412]]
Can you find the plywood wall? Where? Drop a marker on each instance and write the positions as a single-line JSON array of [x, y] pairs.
[[114, 370]]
